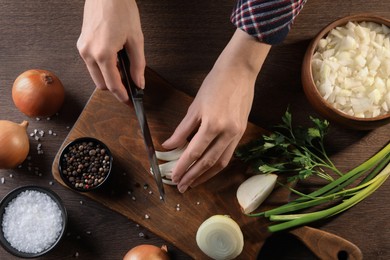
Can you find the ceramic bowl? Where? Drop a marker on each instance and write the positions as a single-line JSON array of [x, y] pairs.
[[323, 107], [9, 200], [85, 164]]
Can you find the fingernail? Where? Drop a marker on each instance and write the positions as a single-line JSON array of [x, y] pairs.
[[183, 188], [142, 83], [165, 142]]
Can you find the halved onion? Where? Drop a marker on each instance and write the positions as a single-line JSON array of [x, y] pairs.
[[220, 237]]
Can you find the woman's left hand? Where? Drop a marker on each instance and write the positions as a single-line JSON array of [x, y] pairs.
[[219, 113]]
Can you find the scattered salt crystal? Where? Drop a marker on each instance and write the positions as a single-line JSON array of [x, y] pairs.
[[32, 222], [140, 234], [81, 202], [50, 132], [51, 183], [37, 119], [147, 216], [11, 176], [133, 198], [2, 180]]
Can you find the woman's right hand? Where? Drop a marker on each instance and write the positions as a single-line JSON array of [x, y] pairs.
[[108, 26]]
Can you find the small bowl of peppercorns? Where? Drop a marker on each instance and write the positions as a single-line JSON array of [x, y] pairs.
[[85, 164]]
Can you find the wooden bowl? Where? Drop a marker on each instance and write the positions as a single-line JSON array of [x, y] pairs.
[[323, 107]]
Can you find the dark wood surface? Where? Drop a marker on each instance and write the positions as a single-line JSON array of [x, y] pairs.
[[183, 39]]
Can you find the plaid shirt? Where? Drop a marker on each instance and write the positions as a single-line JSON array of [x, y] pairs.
[[267, 20]]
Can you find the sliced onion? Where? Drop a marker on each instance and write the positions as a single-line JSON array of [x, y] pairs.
[[171, 158], [171, 155], [220, 237], [166, 172]]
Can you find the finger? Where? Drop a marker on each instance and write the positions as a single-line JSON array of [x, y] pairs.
[[137, 62], [112, 78], [211, 162], [185, 128], [224, 161], [195, 149], [96, 75], [92, 66]]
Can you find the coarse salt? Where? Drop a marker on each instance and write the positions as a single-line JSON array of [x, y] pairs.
[[32, 222]]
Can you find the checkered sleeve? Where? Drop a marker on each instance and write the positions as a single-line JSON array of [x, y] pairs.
[[267, 20]]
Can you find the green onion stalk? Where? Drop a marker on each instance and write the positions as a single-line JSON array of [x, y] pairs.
[[376, 169]]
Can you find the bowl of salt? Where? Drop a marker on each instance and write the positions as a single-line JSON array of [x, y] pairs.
[[33, 221]]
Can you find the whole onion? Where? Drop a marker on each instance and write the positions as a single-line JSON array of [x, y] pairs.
[[38, 93], [147, 252], [14, 144]]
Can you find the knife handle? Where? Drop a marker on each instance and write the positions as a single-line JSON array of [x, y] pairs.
[[124, 68]]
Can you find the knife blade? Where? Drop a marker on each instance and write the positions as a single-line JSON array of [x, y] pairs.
[[136, 95]]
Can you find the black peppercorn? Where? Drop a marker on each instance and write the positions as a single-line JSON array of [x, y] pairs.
[[85, 165]]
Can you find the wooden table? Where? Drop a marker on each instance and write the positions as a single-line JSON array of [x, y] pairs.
[[182, 41]]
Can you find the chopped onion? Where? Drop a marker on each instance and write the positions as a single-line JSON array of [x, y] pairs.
[[220, 237], [351, 68]]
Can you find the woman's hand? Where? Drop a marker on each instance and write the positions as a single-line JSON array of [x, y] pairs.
[[219, 113], [108, 26]]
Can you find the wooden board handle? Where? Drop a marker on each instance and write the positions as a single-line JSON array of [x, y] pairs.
[[326, 245]]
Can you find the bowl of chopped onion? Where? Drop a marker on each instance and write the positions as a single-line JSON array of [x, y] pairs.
[[346, 72]]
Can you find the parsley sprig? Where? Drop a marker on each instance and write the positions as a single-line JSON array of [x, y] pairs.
[[291, 149]]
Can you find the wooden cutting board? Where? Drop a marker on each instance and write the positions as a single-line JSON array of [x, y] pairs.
[[132, 191]]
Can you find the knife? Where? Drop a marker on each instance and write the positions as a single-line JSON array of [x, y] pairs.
[[136, 94]]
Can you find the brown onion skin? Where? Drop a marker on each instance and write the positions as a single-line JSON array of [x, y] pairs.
[[14, 144], [38, 93], [147, 252]]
